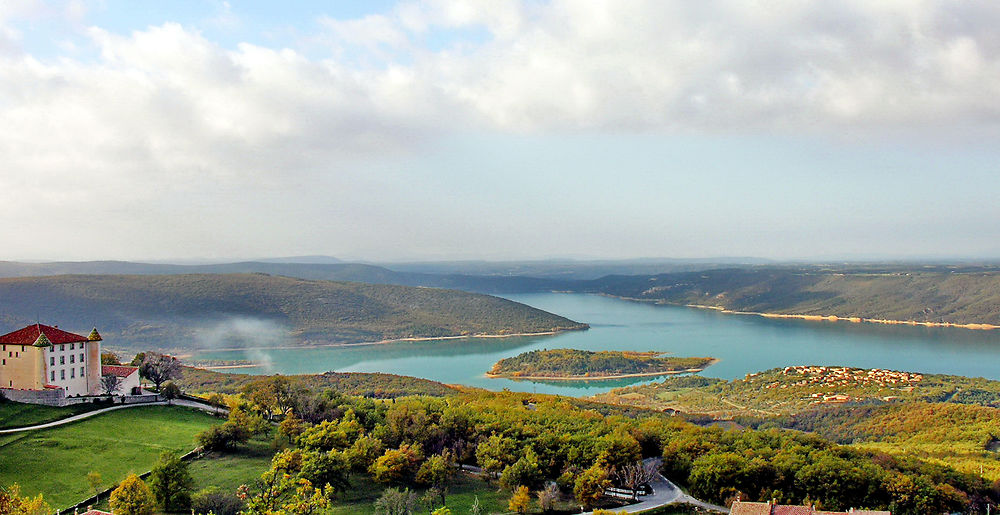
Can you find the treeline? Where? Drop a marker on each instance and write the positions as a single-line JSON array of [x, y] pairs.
[[524, 441], [364, 384], [573, 362]]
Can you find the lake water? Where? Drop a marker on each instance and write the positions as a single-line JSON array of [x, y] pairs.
[[743, 343]]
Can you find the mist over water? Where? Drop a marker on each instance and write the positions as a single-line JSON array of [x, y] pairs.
[[744, 344], [256, 338]]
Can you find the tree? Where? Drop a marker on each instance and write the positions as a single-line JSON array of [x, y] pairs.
[[171, 483], [95, 482], [111, 384], [495, 453], [396, 465], [11, 503], [110, 358], [132, 497], [520, 501], [590, 485], [216, 501], [159, 368], [547, 497], [396, 502], [273, 395], [138, 359], [636, 474], [524, 472], [437, 472], [326, 468], [170, 391]]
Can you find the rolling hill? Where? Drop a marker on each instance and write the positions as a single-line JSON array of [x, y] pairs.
[[232, 310]]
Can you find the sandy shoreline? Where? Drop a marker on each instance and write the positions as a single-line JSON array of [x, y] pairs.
[[823, 318], [396, 340], [602, 378]]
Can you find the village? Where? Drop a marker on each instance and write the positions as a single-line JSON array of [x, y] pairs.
[[845, 378]]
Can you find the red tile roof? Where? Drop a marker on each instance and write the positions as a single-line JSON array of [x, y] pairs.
[[95, 512], [782, 509], [117, 370], [766, 508], [751, 508], [28, 335]]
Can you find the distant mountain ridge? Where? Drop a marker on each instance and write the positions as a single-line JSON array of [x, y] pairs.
[[187, 311]]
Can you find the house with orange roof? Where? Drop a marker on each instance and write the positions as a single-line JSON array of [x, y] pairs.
[[42, 358]]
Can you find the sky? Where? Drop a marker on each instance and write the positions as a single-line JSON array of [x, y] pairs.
[[499, 129]]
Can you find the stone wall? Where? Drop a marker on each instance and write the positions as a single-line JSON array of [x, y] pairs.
[[47, 397]]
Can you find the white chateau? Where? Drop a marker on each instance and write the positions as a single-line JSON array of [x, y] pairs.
[[44, 358]]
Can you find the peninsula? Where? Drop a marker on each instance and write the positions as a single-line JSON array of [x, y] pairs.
[[581, 365]]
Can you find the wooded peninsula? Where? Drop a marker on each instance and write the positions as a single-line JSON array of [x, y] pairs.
[[572, 364]]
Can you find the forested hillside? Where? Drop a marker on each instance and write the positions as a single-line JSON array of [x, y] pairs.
[[960, 295], [225, 310]]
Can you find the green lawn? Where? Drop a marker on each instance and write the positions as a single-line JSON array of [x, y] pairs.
[[55, 462], [16, 414], [230, 470], [364, 492]]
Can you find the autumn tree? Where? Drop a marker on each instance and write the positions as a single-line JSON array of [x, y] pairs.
[[12, 503], [132, 497], [520, 501], [495, 453], [110, 358], [438, 473], [171, 483], [590, 485], [159, 368], [170, 391], [396, 465]]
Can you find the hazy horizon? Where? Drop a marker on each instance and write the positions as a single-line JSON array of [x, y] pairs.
[[499, 130]]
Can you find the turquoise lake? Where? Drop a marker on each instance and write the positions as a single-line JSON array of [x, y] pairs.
[[743, 343]]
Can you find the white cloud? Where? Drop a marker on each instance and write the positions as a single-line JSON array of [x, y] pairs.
[[165, 111]]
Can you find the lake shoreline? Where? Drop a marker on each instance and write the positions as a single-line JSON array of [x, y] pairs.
[[817, 318], [394, 340]]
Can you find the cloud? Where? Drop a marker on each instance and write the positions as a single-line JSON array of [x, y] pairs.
[[165, 118]]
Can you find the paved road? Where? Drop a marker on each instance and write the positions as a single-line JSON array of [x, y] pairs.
[[664, 493], [179, 402]]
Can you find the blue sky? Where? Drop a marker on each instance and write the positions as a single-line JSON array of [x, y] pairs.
[[499, 129]]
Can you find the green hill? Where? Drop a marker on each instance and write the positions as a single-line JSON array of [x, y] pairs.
[[940, 294], [234, 310]]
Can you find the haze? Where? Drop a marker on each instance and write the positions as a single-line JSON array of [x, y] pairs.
[[499, 130]]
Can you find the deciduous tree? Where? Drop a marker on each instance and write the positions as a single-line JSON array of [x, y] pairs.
[[520, 501], [159, 368], [171, 483], [132, 497]]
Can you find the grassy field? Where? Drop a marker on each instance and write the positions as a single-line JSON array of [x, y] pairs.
[[55, 462], [16, 414], [230, 470]]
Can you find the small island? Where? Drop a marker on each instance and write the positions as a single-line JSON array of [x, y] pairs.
[[582, 365]]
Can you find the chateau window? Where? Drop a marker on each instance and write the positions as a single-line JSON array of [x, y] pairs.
[[72, 373], [72, 346], [81, 372], [62, 347], [52, 360], [62, 360], [62, 374], [72, 358], [4, 362], [53, 375], [17, 354], [81, 357]]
